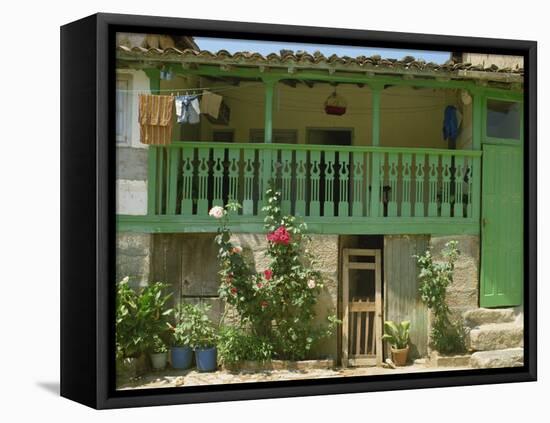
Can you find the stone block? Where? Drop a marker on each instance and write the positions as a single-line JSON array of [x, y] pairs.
[[512, 357], [482, 316], [496, 336]]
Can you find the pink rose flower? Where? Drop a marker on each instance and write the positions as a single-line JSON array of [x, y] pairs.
[[260, 285], [279, 236], [237, 250], [234, 290], [268, 274], [263, 304], [217, 212]]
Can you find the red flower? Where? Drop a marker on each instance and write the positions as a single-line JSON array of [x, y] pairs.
[[268, 273], [263, 304], [259, 284], [279, 236], [234, 290]]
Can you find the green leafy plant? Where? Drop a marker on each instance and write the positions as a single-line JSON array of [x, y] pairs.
[[447, 335], [236, 344], [158, 345], [182, 327], [201, 330], [276, 304], [397, 334], [140, 316]]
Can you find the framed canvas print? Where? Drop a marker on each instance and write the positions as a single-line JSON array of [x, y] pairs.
[[255, 211]]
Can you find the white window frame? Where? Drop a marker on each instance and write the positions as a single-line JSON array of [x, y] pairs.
[[126, 138]]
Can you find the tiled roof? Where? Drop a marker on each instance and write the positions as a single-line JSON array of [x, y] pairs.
[[304, 60]]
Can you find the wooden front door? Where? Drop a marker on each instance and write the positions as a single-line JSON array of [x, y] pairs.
[[362, 307]]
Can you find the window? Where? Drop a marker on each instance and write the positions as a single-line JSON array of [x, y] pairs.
[[503, 119], [123, 109], [224, 135], [280, 136]]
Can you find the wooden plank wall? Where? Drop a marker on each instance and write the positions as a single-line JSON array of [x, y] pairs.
[[402, 300]]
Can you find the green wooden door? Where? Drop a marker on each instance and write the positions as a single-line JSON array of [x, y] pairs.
[[502, 226]]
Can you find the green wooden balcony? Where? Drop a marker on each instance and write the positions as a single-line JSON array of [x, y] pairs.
[[335, 189]]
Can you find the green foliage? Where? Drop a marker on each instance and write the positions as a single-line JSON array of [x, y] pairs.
[[158, 345], [236, 344], [447, 336], [141, 316], [199, 329], [397, 334], [183, 322], [276, 304]]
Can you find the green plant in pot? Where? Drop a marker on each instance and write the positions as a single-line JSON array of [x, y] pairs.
[[159, 353], [181, 353], [397, 335], [202, 338]]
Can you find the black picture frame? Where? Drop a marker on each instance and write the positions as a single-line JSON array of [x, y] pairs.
[[88, 210]]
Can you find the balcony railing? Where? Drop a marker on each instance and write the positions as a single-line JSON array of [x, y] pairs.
[[324, 183]]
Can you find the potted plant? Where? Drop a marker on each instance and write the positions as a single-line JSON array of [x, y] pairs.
[[202, 338], [397, 334], [159, 353], [181, 353]]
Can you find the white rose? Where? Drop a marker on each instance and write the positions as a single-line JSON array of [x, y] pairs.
[[311, 284], [217, 212]]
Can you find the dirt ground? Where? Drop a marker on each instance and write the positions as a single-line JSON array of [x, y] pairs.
[[175, 378]]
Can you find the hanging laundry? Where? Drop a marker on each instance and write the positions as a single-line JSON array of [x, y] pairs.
[[155, 119], [450, 124], [210, 104], [188, 109]]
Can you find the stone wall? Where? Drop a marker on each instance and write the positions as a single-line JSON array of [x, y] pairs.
[[463, 293], [133, 255]]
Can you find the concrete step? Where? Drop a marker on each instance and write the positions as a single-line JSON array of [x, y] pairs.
[[483, 316], [496, 336], [511, 357], [438, 360]]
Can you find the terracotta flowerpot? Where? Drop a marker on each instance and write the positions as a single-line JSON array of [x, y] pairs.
[[400, 356]]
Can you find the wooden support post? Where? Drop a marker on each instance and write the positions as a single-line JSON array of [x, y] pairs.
[[376, 157], [345, 311], [268, 133], [477, 127], [154, 85]]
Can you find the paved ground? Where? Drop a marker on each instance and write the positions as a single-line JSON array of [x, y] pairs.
[[174, 378]]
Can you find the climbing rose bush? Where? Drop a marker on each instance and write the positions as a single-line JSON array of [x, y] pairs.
[[275, 304]]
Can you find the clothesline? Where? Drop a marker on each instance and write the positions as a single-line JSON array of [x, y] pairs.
[[191, 91]]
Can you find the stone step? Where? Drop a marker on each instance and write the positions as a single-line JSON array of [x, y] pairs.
[[511, 357], [438, 360], [483, 316], [496, 336]]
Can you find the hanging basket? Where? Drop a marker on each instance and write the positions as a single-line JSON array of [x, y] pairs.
[[335, 105]]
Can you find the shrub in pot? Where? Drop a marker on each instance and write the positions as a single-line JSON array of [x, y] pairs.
[[181, 353], [397, 334], [202, 338], [141, 315], [158, 354]]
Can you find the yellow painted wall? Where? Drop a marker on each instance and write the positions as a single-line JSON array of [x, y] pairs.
[[409, 117]]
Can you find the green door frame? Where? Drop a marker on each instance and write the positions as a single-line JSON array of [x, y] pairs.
[[500, 288]]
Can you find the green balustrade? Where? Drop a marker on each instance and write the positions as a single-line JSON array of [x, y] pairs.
[[323, 183]]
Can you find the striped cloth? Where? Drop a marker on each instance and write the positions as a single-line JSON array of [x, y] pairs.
[[155, 119]]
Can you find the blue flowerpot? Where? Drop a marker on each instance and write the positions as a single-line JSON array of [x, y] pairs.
[[207, 359], [181, 357]]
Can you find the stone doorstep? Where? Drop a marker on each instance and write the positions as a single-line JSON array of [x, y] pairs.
[[511, 357], [438, 360], [482, 316], [496, 336], [256, 366]]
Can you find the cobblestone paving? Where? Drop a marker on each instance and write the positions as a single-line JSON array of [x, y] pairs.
[[176, 378]]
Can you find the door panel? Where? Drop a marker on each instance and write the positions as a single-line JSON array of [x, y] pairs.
[[502, 226]]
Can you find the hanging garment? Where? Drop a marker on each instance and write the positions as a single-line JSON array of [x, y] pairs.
[[450, 123], [155, 119], [188, 109], [210, 104]]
